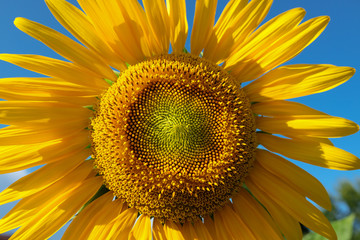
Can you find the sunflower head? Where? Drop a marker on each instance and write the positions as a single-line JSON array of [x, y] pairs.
[[174, 137]]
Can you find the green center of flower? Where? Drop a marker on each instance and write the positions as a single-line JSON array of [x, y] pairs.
[[174, 137]]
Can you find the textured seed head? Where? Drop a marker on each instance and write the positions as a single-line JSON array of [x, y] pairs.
[[174, 137]]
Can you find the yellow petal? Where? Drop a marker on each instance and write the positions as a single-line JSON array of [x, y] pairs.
[[51, 218], [46, 89], [203, 24], [228, 225], [65, 71], [42, 178], [120, 27], [100, 224], [12, 135], [296, 81], [315, 153], [286, 223], [250, 65], [178, 24], [280, 108], [23, 212], [172, 231], [122, 224], [19, 157], [86, 217], [292, 201], [34, 113], [142, 229], [234, 29], [255, 216], [148, 41], [66, 47], [310, 125], [158, 230], [210, 226], [321, 140], [159, 21], [262, 38], [202, 231], [294, 176], [78, 24], [188, 230]]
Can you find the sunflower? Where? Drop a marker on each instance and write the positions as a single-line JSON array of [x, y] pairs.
[[137, 141]]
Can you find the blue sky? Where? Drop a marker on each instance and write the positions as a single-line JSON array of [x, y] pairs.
[[338, 45]]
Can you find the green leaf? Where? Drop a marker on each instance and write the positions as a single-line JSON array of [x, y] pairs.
[[342, 227]]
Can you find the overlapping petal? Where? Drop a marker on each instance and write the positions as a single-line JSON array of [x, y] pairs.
[[312, 152], [178, 24], [297, 81], [79, 25], [309, 125], [27, 208], [266, 185], [256, 57], [234, 27], [66, 47], [203, 25]]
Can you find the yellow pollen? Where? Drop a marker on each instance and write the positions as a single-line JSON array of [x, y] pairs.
[[174, 137]]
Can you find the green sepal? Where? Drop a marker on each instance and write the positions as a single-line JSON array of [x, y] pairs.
[[90, 107], [109, 81], [185, 50]]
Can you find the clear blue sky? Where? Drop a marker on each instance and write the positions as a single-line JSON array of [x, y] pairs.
[[338, 45]]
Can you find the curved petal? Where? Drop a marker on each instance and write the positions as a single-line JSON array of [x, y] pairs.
[[122, 224], [315, 153], [51, 218], [210, 226], [119, 27], [28, 208], [142, 229], [239, 25], [78, 24], [19, 157], [46, 89], [294, 176], [290, 200], [173, 231], [158, 230], [296, 81], [99, 225], [249, 65], [188, 230], [159, 21], [41, 178], [65, 71], [66, 47], [178, 24], [282, 108], [203, 25], [228, 225], [255, 216], [87, 216], [309, 125], [289, 227], [34, 113], [202, 231], [13, 135]]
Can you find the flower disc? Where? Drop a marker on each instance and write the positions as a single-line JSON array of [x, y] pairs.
[[174, 137]]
